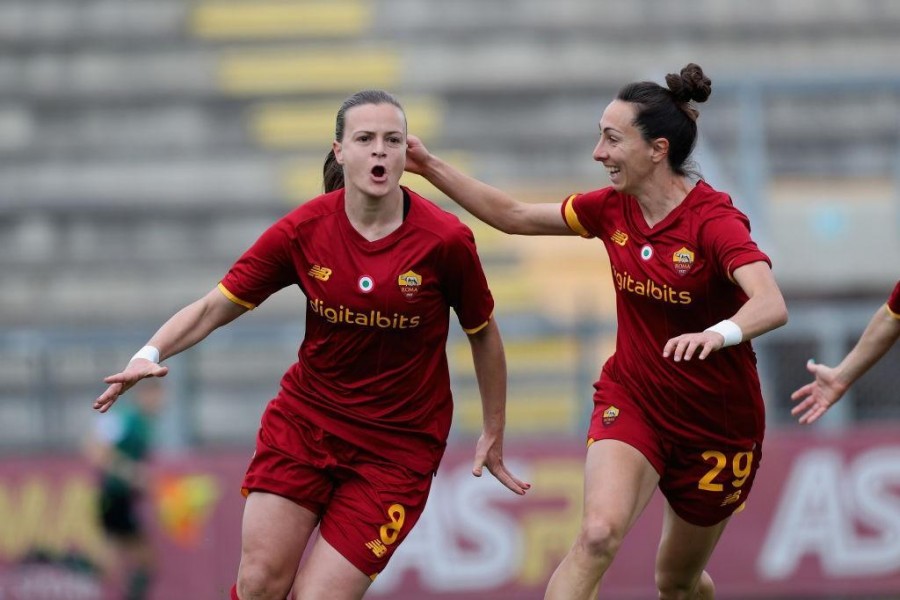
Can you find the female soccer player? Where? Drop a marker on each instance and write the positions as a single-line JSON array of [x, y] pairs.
[[678, 406], [358, 429]]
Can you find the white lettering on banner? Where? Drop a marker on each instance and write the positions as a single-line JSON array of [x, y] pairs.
[[464, 541], [824, 510]]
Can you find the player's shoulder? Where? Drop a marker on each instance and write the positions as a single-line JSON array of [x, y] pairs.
[[705, 198], [320, 207], [437, 221], [593, 196]]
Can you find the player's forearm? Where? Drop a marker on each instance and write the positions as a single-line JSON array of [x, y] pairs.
[[880, 334], [765, 308], [193, 323], [490, 372], [489, 204], [762, 313]]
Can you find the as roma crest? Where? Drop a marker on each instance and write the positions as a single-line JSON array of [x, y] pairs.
[[683, 260], [609, 415], [409, 283]]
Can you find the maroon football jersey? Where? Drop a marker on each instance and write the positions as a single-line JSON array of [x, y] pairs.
[[670, 279], [893, 302], [372, 366]]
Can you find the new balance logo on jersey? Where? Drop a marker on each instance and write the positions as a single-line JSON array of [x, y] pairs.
[[320, 273], [619, 237], [377, 548]]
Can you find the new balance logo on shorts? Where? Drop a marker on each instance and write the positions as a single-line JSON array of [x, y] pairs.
[[731, 498], [377, 548]]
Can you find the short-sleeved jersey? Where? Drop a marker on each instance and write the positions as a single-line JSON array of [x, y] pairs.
[[670, 279], [893, 303], [372, 366]]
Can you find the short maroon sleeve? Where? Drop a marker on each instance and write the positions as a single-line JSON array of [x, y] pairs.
[[727, 237], [585, 213], [265, 268], [465, 284], [893, 302]]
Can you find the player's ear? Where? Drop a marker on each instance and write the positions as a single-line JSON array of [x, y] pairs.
[[659, 149], [338, 152]]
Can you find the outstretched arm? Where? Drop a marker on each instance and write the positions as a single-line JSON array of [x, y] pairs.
[[830, 384], [490, 370], [184, 329], [494, 207]]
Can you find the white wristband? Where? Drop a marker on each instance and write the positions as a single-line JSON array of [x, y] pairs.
[[147, 352], [728, 330]]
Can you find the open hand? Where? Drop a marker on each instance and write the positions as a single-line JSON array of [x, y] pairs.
[[817, 397], [489, 453], [137, 369]]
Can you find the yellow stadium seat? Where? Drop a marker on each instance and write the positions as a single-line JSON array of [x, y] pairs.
[[295, 125], [241, 20], [291, 70]]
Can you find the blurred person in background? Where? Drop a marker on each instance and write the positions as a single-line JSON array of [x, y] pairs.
[[678, 406], [354, 437], [120, 449], [831, 383]]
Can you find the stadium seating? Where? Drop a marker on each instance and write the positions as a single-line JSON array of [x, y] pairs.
[[145, 144]]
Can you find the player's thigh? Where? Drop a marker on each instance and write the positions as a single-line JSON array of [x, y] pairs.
[[684, 550], [618, 483], [328, 574], [274, 534]]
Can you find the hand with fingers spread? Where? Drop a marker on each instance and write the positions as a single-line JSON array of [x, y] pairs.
[[831, 383], [489, 453], [137, 369], [817, 397]]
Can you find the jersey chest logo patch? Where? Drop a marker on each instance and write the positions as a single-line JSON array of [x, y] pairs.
[[410, 283], [619, 237], [319, 272], [683, 260], [366, 284], [609, 415]]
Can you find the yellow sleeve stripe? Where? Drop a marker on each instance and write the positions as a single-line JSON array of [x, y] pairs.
[[235, 299], [480, 327], [892, 313], [572, 219]]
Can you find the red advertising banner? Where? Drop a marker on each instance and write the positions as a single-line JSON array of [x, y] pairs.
[[823, 520]]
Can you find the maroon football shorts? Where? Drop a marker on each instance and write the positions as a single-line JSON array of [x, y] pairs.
[[367, 506], [703, 486]]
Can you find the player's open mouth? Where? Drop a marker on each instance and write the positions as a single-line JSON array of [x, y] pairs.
[[378, 171]]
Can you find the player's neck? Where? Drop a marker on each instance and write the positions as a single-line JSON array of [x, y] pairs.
[[658, 198], [374, 217]]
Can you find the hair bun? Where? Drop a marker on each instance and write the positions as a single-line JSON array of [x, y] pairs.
[[691, 84]]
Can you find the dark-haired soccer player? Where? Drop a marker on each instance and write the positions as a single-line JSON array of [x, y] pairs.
[[357, 431], [678, 406]]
